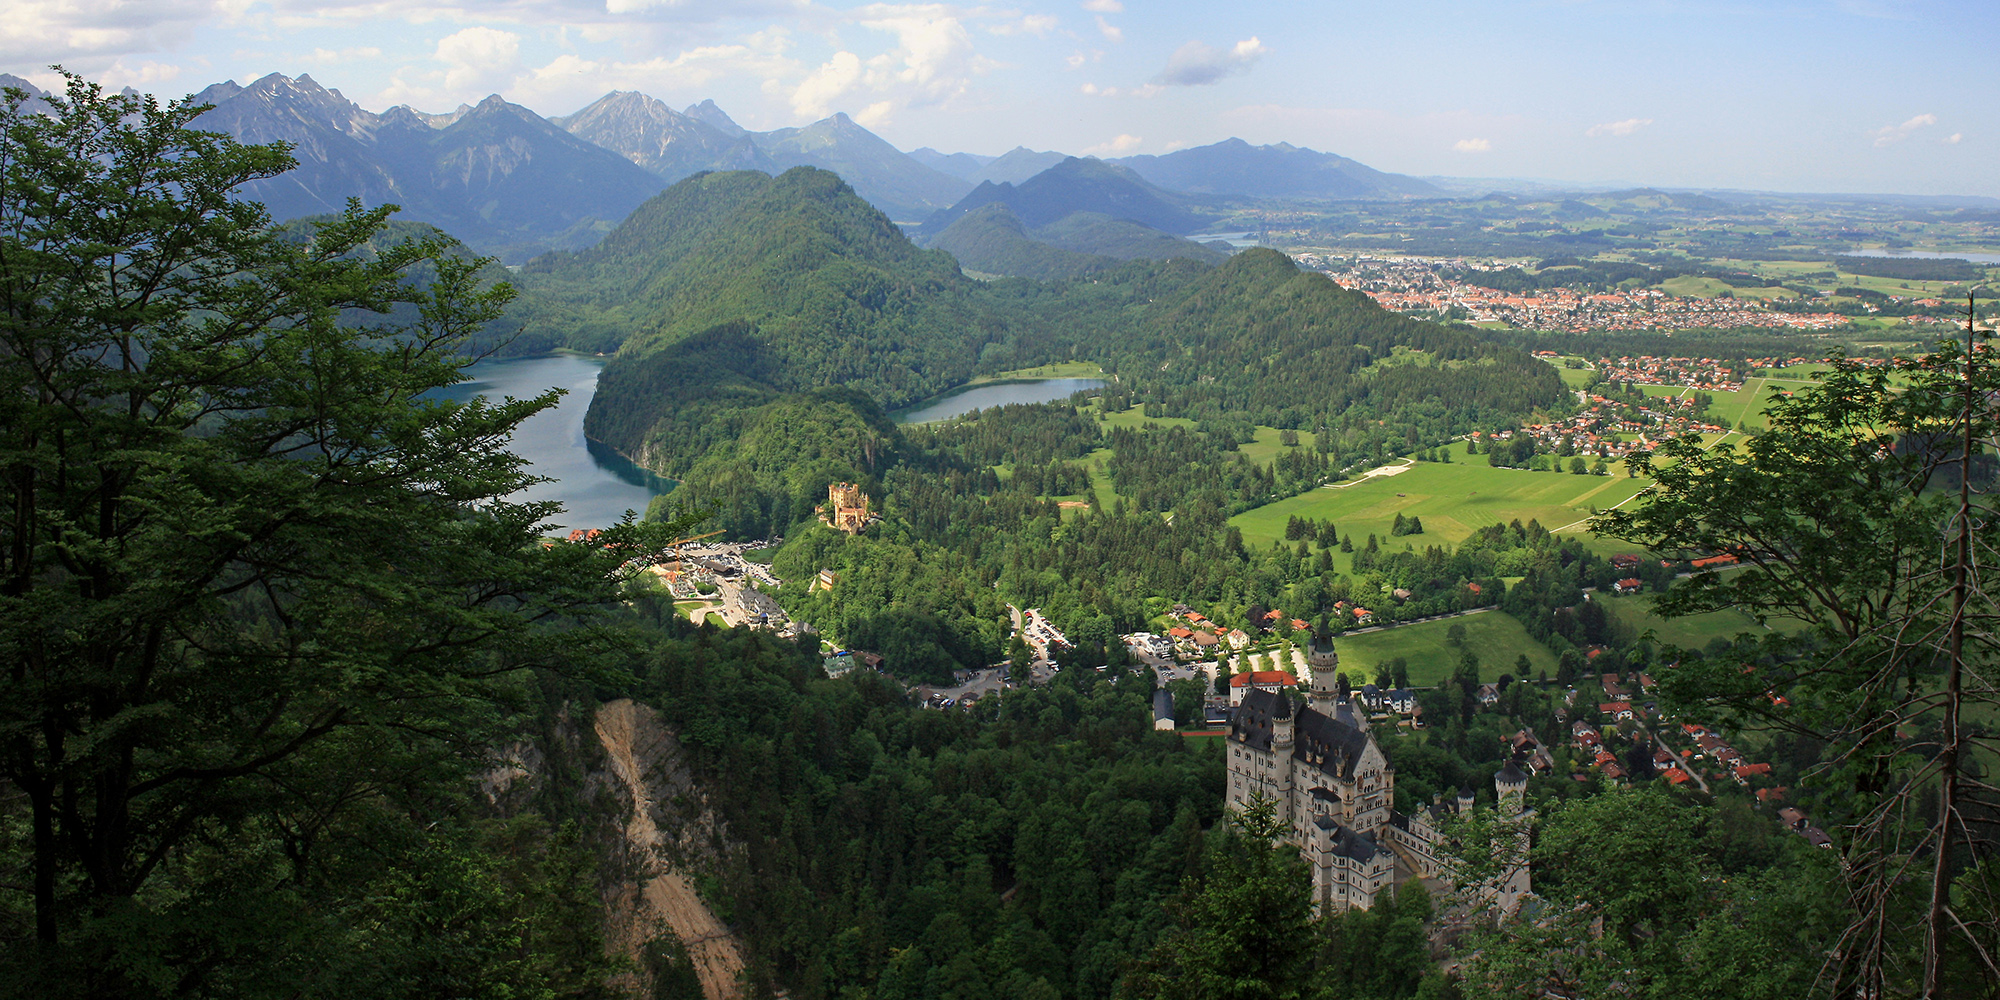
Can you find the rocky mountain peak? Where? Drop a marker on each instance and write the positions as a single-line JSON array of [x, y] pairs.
[[707, 112]]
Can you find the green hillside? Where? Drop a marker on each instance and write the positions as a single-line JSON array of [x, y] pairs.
[[734, 301], [992, 239]]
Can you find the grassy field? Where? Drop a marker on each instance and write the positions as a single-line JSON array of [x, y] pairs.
[[1746, 405], [1708, 288], [1066, 369], [1265, 448], [1692, 632], [1451, 498], [1494, 636]]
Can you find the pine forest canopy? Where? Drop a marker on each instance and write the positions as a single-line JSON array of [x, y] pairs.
[[262, 601]]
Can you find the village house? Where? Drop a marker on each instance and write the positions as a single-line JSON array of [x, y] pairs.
[[1274, 681]]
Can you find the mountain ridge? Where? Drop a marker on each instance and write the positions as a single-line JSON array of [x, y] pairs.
[[1077, 184], [1278, 170]]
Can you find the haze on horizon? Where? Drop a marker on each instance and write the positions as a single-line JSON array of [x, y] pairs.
[[1879, 96]]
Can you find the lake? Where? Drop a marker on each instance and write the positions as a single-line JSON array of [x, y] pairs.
[[980, 397], [595, 486], [1983, 258]]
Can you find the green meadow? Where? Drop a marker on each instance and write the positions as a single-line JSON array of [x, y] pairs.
[[1692, 632], [1453, 499], [1493, 636]]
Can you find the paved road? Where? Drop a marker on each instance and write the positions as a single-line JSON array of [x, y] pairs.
[[1670, 750]]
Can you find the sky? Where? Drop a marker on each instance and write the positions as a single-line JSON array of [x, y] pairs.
[[1882, 96]]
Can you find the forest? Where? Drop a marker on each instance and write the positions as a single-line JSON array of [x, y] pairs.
[[738, 297]]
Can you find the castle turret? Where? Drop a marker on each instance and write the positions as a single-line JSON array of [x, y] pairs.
[[1325, 666], [1511, 787], [1281, 723], [1465, 800]]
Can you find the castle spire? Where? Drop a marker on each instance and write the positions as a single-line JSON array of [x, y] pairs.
[[1325, 666]]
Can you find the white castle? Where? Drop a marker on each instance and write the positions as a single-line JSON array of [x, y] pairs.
[[1335, 791]]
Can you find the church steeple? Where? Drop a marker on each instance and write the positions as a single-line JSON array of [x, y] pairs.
[[1325, 666]]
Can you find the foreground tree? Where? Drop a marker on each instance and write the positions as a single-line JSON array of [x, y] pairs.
[[1860, 517], [1243, 928], [259, 591]]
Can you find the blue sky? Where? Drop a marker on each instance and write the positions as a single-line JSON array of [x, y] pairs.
[[1789, 95]]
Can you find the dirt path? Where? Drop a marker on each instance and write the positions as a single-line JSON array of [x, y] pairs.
[[1380, 470], [667, 896]]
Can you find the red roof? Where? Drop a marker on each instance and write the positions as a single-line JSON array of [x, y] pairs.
[[1630, 583], [1724, 559], [1273, 615], [1675, 776], [1179, 633], [1614, 707], [1277, 677], [1751, 770]]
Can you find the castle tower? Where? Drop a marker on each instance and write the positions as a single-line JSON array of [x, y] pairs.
[[1465, 800], [1281, 725], [1511, 787], [1325, 666]]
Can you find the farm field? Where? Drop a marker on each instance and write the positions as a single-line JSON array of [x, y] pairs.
[[1746, 405], [1494, 636], [1692, 632], [1452, 499]]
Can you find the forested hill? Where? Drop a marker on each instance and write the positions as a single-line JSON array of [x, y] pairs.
[[1256, 339], [743, 286], [762, 325]]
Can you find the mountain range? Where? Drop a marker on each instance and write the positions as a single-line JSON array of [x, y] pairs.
[[514, 184], [1079, 185], [1236, 168], [991, 239], [496, 175]]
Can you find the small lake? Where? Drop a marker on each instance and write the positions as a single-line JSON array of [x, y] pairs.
[[1237, 240], [1983, 258], [980, 397], [595, 486]]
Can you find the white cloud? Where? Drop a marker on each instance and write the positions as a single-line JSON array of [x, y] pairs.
[[816, 95], [1472, 146], [139, 76], [1104, 6], [479, 59], [1626, 127], [38, 32], [1953, 139], [1198, 64], [932, 63], [1038, 25], [1111, 32], [1889, 135], [1121, 144]]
